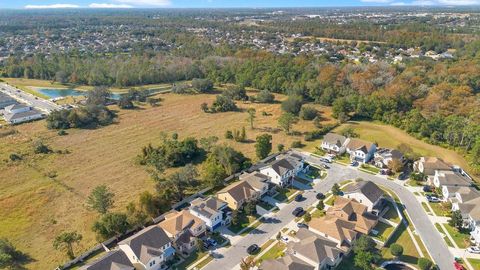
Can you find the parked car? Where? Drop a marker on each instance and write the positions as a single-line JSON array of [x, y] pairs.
[[298, 198], [402, 176], [302, 225], [284, 239], [427, 188], [354, 163], [474, 249], [432, 199], [458, 266], [212, 242], [298, 212], [326, 159], [325, 166], [253, 249], [320, 196]]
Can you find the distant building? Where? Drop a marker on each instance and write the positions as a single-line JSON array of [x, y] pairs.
[[450, 179], [360, 150], [6, 100], [428, 166], [334, 143], [384, 156], [19, 113]]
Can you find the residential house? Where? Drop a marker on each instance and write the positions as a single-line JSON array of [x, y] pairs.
[[250, 187], [384, 156], [346, 220], [283, 170], [428, 166], [287, 262], [149, 249], [183, 228], [6, 101], [19, 113], [334, 143], [467, 201], [361, 151], [366, 193], [211, 210], [450, 179], [113, 260]]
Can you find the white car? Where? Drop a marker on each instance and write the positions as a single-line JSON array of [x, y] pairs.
[[284, 239], [474, 250]]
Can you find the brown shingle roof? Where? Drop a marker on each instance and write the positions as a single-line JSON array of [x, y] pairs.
[[176, 222], [357, 144], [113, 260]]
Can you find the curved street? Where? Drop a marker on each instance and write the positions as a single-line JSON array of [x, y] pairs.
[[230, 257]]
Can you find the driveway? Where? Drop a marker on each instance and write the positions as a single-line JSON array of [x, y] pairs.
[[228, 258]]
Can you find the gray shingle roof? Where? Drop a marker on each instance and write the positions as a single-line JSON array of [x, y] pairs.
[[147, 242], [113, 260], [335, 139], [367, 188]]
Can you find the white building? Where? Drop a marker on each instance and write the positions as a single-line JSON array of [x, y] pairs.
[[283, 170], [334, 143], [210, 210], [18, 113], [366, 193], [361, 151]]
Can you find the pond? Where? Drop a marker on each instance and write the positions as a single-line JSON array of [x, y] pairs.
[[58, 93]]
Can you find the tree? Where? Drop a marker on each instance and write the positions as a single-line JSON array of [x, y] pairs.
[[286, 121], [111, 224], [247, 263], [418, 176], [202, 85], [199, 244], [65, 242], [100, 199], [125, 102], [223, 104], [336, 189], [349, 132], [10, 257], [265, 96], [456, 220], [263, 146], [98, 96], [136, 216], [424, 264], [321, 205], [279, 236], [395, 165], [364, 260], [308, 113], [235, 218], [292, 105], [251, 116], [250, 208], [280, 147], [396, 250], [307, 217]]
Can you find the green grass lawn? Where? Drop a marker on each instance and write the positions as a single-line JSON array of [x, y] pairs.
[[317, 213], [330, 201], [313, 172], [401, 237], [392, 213], [190, 260], [284, 193], [475, 263], [369, 168], [445, 237], [441, 209], [384, 230], [274, 252], [425, 207], [251, 228], [460, 238], [244, 222], [204, 262], [343, 159]]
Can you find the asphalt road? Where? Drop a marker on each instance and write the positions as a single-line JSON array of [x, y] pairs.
[[229, 258], [33, 101]]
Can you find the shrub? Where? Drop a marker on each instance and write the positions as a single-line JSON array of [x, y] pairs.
[[15, 157], [280, 147], [297, 144], [62, 132], [265, 97], [292, 105], [202, 85], [308, 113], [424, 264], [228, 135], [41, 148], [236, 93], [223, 104], [396, 250]]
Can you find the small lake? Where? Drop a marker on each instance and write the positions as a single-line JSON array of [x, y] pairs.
[[57, 93]]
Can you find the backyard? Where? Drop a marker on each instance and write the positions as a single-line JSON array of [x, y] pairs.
[[383, 231]]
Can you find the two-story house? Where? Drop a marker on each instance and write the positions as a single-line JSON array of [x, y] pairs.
[[283, 170], [428, 166], [184, 229], [384, 156], [334, 143], [211, 210], [361, 151], [448, 179], [366, 193], [149, 249], [114, 259], [467, 201], [250, 187]]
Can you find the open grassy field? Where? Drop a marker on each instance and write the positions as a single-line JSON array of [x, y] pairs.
[[34, 208], [389, 136]]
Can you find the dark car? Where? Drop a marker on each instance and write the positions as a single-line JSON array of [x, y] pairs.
[[325, 166], [402, 176], [427, 189], [302, 225], [298, 212], [253, 249], [298, 198], [320, 196]]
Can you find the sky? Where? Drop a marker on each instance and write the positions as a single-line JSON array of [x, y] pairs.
[[43, 4]]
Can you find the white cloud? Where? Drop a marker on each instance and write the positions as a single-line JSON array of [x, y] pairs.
[[398, 4], [146, 2], [51, 6], [376, 1], [106, 5]]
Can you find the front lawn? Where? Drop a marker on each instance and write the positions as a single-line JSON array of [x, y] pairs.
[[369, 168], [330, 201], [243, 222], [190, 260], [425, 207], [474, 262], [345, 159], [384, 230], [318, 213], [392, 213], [274, 252], [441, 209], [461, 238], [284, 193], [402, 237], [445, 237]]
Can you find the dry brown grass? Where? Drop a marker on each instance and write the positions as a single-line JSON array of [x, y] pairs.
[[35, 208]]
